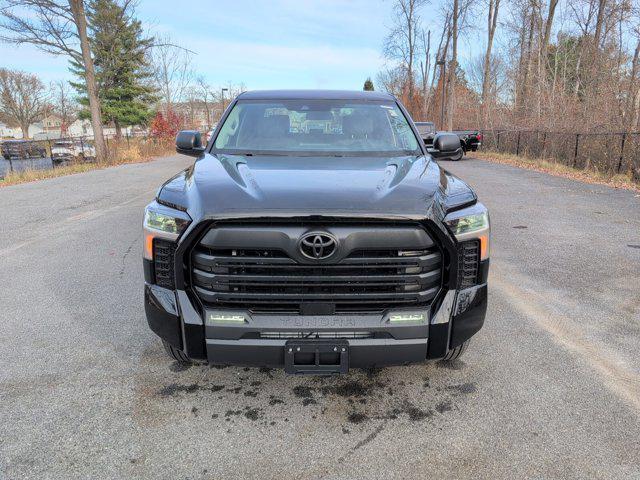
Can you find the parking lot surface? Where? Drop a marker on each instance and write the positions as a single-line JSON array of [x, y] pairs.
[[550, 388]]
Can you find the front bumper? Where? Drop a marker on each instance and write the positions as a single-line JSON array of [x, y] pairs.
[[172, 316]]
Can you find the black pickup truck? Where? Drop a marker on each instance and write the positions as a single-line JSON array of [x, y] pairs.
[[315, 249], [470, 140]]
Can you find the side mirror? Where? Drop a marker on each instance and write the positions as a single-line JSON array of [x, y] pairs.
[[189, 142], [446, 145]]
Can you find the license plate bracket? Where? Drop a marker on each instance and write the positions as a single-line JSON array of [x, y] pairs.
[[316, 357]]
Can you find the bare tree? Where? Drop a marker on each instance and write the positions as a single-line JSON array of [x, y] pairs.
[[58, 27], [425, 68], [492, 23], [440, 55], [453, 65], [402, 41], [63, 105], [23, 99], [173, 71], [206, 94]]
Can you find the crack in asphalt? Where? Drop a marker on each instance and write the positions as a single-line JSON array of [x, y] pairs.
[[127, 252]]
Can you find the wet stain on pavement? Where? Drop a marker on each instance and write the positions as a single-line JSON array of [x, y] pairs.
[[444, 406], [175, 388], [454, 365], [357, 417], [348, 402], [465, 388], [179, 367]]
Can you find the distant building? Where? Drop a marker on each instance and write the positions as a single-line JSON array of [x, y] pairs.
[[15, 132], [197, 114], [51, 123], [8, 132]]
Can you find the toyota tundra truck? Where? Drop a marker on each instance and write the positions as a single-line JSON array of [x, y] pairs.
[[315, 233]]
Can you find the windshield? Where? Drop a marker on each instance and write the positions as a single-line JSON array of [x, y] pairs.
[[339, 127]]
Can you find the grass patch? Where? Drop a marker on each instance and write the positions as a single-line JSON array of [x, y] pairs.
[[120, 153], [593, 176]]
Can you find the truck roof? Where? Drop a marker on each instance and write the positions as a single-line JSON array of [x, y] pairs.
[[315, 95]]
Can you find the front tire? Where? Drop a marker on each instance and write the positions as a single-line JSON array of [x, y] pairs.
[[456, 353], [177, 355]]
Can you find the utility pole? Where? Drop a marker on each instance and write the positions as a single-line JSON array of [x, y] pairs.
[[443, 69]]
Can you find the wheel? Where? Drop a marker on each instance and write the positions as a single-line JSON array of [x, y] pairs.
[[459, 157], [177, 355], [456, 353]]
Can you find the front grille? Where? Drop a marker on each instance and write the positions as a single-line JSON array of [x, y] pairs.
[[163, 261], [272, 280], [468, 258]]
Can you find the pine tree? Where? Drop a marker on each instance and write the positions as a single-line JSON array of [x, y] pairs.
[[119, 50], [368, 85]]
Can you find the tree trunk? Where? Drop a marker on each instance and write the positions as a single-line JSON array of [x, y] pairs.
[[521, 47], [636, 111], [453, 67], [77, 9], [118, 129], [425, 74], [547, 28], [597, 36], [441, 55], [527, 70], [411, 30], [25, 130], [492, 22], [632, 85]]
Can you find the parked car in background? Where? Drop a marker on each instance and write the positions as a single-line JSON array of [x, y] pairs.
[[22, 149], [72, 150], [470, 140]]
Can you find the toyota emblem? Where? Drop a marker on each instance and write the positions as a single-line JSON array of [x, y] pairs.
[[318, 246]]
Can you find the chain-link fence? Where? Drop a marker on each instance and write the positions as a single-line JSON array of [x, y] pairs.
[[21, 155], [613, 153]]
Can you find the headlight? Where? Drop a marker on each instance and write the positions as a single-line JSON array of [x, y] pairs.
[[471, 223], [162, 222]]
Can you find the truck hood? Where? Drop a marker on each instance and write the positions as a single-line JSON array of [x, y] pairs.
[[235, 186]]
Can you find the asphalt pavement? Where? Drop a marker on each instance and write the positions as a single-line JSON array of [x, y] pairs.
[[550, 388]]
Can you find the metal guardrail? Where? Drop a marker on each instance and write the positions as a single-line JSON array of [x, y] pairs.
[[612, 152]]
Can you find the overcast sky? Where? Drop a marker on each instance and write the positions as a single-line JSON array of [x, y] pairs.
[[264, 44]]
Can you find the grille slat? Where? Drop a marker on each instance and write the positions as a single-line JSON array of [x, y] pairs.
[[213, 261], [300, 297], [208, 277], [273, 280]]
